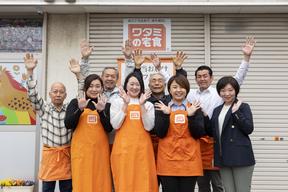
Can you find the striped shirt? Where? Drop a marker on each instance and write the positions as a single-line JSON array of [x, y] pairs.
[[53, 130]]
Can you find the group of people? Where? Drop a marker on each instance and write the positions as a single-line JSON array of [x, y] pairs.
[[132, 139]]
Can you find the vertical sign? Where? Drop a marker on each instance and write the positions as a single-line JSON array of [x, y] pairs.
[[148, 34]]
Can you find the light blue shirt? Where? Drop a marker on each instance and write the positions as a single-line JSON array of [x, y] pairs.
[[174, 106]]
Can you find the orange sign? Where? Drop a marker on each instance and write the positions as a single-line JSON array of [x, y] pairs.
[[148, 37], [148, 34]]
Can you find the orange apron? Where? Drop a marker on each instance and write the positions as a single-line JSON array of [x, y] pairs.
[[90, 155], [132, 158], [55, 164], [178, 152], [207, 153]]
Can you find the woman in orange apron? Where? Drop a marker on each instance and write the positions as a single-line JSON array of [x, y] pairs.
[[132, 157], [179, 126], [89, 147]]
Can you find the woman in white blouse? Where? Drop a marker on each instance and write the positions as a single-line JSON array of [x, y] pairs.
[[132, 157]]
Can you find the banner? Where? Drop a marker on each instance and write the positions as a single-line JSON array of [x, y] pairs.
[[148, 34]]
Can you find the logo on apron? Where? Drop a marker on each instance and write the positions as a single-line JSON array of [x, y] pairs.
[[92, 119], [179, 118], [134, 114]]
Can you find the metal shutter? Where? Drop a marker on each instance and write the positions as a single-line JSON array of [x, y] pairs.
[[105, 34], [265, 87]]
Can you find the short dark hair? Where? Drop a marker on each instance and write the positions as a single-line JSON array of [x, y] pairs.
[[140, 80], [88, 80], [180, 80], [106, 68], [204, 67], [225, 81]]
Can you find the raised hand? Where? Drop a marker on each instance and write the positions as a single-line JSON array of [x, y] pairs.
[[82, 102], [156, 61], [124, 95], [236, 106], [127, 49], [179, 59], [100, 105], [162, 107], [145, 96], [74, 66], [138, 58], [30, 63], [86, 50], [193, 108], [248, 47]]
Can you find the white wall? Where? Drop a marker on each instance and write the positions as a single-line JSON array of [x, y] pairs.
[[17, 155], [64, 34]]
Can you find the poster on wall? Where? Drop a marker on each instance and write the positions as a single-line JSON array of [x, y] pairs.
[[148, 34], [20, 35], [17, 35], [15, 107], [147, 69]]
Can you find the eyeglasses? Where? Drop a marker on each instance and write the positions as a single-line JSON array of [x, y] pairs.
[[55, 92]]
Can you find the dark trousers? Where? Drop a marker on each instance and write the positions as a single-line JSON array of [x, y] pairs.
[[213, 177], [178, 183], [64, 186]]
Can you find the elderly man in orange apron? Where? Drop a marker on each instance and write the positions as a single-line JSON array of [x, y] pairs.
[[55, 164]]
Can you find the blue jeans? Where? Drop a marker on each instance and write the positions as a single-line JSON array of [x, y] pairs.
[[212, 176], [64, 186]]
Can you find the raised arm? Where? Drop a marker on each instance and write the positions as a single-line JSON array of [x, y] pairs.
[[247, 50], [127, 51], [178, 61], [81, 70], [138, 60], [86, 51], [35, 98], [74, 67]]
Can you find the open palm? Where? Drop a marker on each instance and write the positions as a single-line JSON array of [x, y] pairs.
[[74, 66], [30, 61], [249, 45]]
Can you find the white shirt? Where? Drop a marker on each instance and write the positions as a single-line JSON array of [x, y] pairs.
[[221, 117], [117, 116], [209, 98]]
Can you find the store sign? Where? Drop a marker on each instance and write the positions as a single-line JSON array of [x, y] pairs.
[[147, 69], [148, 34]]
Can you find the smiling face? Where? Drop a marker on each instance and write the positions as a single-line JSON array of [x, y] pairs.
[[177, 92], [203, 79], [157, 83], [109, 77], [133, 87], [228, 94], [94, 89], [57, 94]]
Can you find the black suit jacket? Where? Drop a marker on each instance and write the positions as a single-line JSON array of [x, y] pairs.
[[234, 147]]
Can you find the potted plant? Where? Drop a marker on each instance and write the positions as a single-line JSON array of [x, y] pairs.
[[16, 185]]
